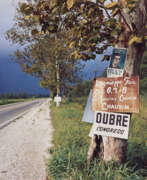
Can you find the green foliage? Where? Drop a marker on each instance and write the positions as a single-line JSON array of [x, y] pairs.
[[71, 141], [88, 23], [45, 55], [45, 59], [81, 29], [10, 101], [7, 98], [143, 73], [79, 89], [20, 95]]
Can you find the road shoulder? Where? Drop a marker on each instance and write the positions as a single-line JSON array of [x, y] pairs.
[[24, 145]]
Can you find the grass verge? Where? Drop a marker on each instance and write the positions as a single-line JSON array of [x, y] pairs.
[[71, 141]]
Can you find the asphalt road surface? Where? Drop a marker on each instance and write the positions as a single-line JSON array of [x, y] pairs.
[[11, 111]]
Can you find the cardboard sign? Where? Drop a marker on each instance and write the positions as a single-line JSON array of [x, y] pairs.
[[88, 115], [111, 124], [111, 72], [116, 94], [117, 62]]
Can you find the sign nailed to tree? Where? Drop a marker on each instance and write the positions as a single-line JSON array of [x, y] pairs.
[[111, 124], [116, 94]]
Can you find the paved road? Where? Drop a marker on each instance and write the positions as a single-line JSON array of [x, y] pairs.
[[9, 112]]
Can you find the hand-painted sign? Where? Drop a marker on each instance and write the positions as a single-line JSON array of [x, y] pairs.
[[88, 115], [111, 124], [116, 94], [117, 63]]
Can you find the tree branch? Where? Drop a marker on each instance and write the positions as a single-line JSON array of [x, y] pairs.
[[126, 19]]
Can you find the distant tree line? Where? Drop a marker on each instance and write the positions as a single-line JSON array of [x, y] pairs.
[[81, 88], [22, 95]]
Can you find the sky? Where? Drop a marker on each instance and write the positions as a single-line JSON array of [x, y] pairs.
[[11, 77]]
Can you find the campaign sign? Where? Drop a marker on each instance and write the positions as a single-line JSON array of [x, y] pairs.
[[111, 124], [117, 62], [112, 72], [119, 94]]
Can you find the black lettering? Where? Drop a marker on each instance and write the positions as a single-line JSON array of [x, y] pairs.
[[125, 120], [111, 130], [114, 130], [107, 129], [118, 120], [122, 131], [98, 117], [112, 119], [100, 128], [118, 131], [105, 118]]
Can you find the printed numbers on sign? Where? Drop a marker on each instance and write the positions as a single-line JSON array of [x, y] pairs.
[[110, 90]]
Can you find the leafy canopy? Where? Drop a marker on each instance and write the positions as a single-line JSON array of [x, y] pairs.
[[92, 26]]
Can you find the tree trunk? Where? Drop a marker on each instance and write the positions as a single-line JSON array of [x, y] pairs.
[[114, 148], [110, 148], [58, 79]]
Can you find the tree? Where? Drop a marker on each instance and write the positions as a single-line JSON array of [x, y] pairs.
[[47, 59], [45, 55], [143, 74], [120, 23], [92, 27]]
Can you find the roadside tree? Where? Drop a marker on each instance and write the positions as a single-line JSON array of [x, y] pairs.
[[44, 55], [93, 26]]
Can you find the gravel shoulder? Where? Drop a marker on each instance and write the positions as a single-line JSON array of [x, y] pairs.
[[24, 145]]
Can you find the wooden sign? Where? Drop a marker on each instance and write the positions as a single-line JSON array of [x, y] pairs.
[[111, 124], [116, 94]]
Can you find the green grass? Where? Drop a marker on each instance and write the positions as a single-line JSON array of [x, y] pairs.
[[71, 142]]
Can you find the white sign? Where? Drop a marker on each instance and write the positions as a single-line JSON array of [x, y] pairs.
[[111, 72], [111, 124], [57, 99]]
